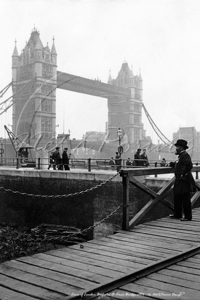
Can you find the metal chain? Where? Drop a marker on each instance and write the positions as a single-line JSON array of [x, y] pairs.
[[90, 227], [58, 196], [67, 196]]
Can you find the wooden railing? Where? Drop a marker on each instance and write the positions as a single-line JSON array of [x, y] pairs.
[[129, 176]]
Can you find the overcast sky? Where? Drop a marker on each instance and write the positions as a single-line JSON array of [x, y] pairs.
[[160, 37]]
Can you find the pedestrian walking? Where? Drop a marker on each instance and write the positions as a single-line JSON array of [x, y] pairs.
[[51, 161], [144, 159], [184, 182], [57, 159], [65, 159], [137, 158]]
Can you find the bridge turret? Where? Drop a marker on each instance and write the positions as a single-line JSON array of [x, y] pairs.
[[36, 112]]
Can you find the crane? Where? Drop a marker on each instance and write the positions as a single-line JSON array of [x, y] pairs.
[[21, 148]]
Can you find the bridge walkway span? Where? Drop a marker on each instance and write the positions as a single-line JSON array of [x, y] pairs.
[[154, 260]]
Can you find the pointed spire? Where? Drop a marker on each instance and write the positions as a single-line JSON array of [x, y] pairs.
[[15, 52], [53, 49]]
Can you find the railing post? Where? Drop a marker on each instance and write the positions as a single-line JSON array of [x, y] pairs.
[[197, 173], [156, 164], [125, 221], [89, 164], [38, 163], [17, 166]]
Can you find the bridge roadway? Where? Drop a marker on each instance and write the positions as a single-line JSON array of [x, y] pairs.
[[111, 266]]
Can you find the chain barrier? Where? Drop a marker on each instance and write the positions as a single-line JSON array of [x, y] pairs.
[[2, 189], [67, 196], [89, 228]]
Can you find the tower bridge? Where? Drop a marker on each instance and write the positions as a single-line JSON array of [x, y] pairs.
[[34, 110]]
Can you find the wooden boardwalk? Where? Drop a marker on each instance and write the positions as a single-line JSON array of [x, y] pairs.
[[63, 273]]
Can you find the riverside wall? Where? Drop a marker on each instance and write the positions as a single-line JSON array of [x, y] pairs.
[[81, 210]]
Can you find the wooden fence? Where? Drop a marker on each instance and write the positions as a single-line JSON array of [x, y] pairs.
[[129, 176]]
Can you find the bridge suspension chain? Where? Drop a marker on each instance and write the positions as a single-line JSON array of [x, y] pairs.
[[6, 104], [162, 137], [2, 92]]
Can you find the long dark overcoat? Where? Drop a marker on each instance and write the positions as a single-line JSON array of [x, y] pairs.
[[184, 182]]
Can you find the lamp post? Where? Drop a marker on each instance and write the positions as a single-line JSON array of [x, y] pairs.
[[120, 135]]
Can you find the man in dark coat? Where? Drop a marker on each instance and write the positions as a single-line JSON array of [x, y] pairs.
[[65, 159], [144, 159], [137, 158], [118, 161], [57, 159], [183, 182]]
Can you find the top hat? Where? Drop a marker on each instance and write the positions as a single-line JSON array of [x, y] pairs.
[[181, 143], [65, 148], [57, 148]]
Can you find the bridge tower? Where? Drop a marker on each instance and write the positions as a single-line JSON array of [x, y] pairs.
[[126, 113], [34, 76]]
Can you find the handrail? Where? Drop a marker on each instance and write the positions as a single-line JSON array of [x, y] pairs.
[[127, 173]]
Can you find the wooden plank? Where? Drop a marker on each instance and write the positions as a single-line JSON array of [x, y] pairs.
[[168, 288], [148, 171], [151, 171], [36, 280], [121, 294], [150, 238], [185, 269], [188, 264], [180, 228], [90, 260], [120, 256], [29, 289], [7, 294], [107, 256], [51, 264], [125, 250], [46, 273], [132, 247], [157, 291], [74, 264], [180, 275], [157, 232], [177, 281], [171, 223], [142, 245]]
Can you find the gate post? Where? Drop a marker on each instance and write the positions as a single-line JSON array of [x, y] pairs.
[[125, 222]]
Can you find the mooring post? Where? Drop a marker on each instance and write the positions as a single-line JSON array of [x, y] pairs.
[[125, 222], [89, 164], [156, 164], [38, 163], [17, 166]]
